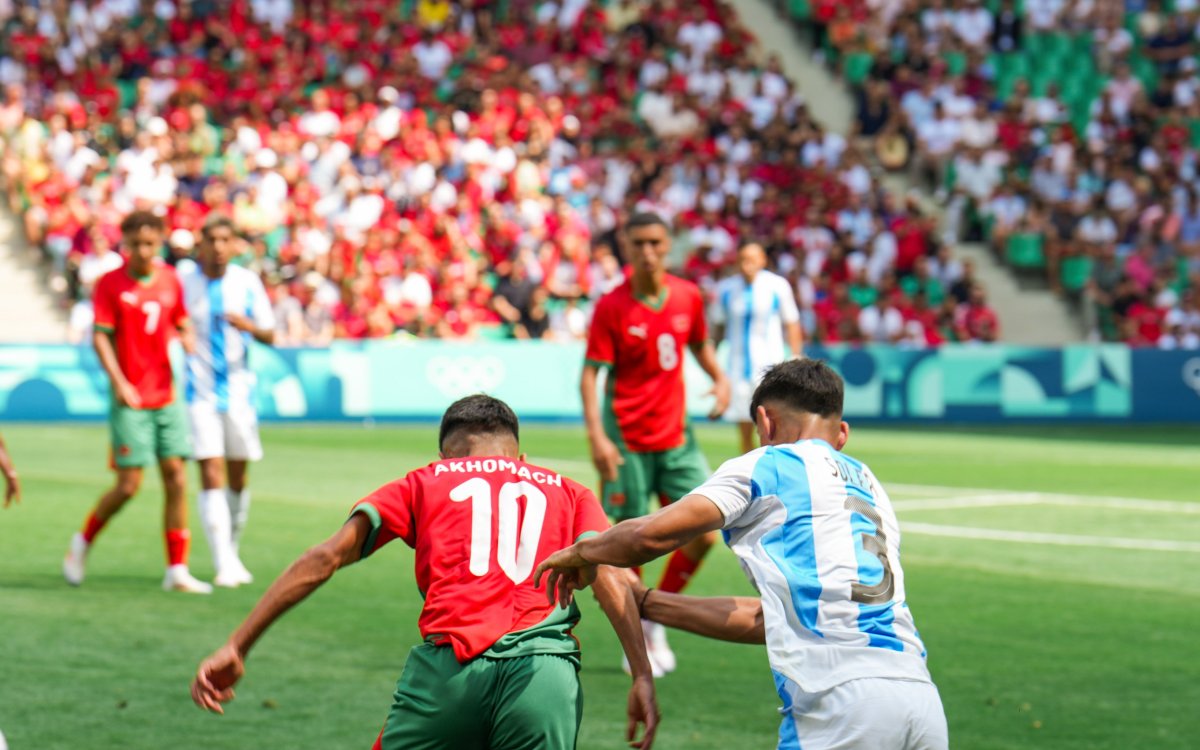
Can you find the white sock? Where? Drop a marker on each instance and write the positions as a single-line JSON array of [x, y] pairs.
[[214, 517], [239, 511]]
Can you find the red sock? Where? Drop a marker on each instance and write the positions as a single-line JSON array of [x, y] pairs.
[[680, 569], [178, 541], [92, 527]]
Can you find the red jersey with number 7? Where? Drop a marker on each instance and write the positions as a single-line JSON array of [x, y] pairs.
[[479, 526], [142, 315], [641, 342]]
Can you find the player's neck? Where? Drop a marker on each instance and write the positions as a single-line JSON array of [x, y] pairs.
[[213, 271], [146, 274], [648, 285], [482, 445]]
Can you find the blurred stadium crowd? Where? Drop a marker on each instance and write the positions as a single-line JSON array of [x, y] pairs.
[[457, 170], [1063, 133]]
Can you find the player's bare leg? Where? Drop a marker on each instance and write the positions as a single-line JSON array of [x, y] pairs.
[[746, 432], [175, 528], [129, 481]]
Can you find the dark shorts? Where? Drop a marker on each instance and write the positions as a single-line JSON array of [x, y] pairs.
[[523, 703]]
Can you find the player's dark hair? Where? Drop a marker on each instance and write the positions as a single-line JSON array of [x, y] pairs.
[[807, 385], [214, 222], [478, 414], [138, 219], [644, 219]]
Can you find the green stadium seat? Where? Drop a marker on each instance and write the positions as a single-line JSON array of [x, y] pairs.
[[1026, 251], [801, 10], [857, 66], [1075, 272]]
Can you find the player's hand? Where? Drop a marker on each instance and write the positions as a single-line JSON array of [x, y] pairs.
[[216, 677], [642, 709], [240, 322], [606, 458], [12, 489], [720, 389], [569, 572], [127, 395]]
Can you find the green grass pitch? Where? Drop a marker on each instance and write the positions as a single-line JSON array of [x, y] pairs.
[[1052, 572]]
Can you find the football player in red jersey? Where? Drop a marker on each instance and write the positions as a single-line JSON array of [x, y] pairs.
[[12, 485], [641, 443], [139, 307], [498, 668]]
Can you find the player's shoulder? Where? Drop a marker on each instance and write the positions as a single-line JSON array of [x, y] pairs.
[[677, 284], [114, 277], [187, 269]]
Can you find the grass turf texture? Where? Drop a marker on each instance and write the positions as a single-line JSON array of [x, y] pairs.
[[1031, 644]]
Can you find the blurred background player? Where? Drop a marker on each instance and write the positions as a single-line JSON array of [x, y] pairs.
[[479, 518], [139, 307], [753, 310], [12, 485], [641, 444], [228, 306], [818, 537]]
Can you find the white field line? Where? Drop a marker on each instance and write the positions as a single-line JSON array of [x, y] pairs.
[[1187, 505], [970, 501], [1066, 540]]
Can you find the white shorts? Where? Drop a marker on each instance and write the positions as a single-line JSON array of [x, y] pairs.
[[741, 393], [865, 714], [232, 435]]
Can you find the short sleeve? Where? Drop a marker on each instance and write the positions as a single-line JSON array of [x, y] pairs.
[[589, 516], [730, 488], [179, 316], [787, 302], [699, 333], [260, 307], [389, 509], [601, 344], [102, 305]]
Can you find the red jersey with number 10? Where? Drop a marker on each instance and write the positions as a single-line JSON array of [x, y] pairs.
[[479, 526], [642, 343], [142, 315]]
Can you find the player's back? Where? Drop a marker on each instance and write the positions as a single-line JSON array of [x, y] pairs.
[[479, 526], [821, 542]]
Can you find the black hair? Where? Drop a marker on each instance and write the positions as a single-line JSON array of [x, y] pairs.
[[214, 222], [807, 385], [138, 219], [478, 414], [644, 219]]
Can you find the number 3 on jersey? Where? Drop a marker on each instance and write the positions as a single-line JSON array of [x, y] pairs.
[[668, 355], [515, 547]]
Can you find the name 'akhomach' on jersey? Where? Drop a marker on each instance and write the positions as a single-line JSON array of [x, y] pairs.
[[479, 525]]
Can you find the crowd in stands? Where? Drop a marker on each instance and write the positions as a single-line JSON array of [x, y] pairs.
[[1063, 133], [456, 169]]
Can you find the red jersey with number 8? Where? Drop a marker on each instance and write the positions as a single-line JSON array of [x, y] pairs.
[[142, 315], [479, 526], [641, 342]]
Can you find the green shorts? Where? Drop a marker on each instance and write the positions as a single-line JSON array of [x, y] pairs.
[[523, 703], [669, 474], [141, 437]]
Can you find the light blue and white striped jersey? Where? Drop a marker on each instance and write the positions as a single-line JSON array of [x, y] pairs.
[[753, 315], [218, 372], [817, 536]]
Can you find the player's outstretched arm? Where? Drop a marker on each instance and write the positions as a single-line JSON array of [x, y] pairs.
[[629, 543], [218, 673], [725, 618], [615, 595], [12, 485]]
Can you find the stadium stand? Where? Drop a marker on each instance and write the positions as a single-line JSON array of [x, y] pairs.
[[1063, 134], [457, 169]]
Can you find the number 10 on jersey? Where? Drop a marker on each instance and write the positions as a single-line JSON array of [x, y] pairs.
[[516, 547]]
